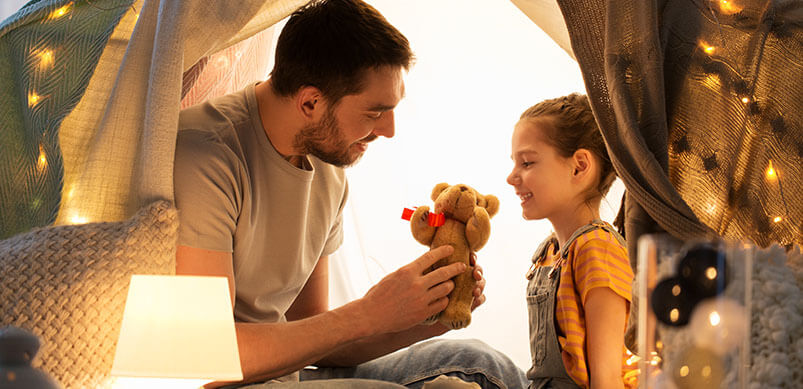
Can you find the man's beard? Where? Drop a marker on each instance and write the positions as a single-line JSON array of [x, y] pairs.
[[325, 141]]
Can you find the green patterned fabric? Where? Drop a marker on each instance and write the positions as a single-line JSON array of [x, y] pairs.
[[48, 52]]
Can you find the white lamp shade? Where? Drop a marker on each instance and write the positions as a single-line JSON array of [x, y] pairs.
[[178, 327]]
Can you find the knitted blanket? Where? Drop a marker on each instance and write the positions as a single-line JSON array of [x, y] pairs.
[[68, 285]]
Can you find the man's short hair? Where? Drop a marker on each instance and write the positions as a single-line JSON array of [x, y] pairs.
[[329, 44]]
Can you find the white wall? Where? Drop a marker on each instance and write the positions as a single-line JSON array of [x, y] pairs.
[[8, 7], [480, 64]]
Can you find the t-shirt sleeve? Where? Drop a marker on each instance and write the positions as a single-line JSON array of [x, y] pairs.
[[335, 238], [601, 262], [206, 191]]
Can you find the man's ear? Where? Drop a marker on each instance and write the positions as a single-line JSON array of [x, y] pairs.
[[310, 102]]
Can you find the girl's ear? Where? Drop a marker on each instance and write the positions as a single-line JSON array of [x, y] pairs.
[[582, 161], [310, 102]]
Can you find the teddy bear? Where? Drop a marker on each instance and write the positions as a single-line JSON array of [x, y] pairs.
[[466, 226]]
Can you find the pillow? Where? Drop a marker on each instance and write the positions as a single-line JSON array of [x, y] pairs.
[[68, 284]]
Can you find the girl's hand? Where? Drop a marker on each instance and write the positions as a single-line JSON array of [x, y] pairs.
[[479, 297]]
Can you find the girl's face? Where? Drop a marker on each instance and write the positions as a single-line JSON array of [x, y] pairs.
[[540, 176]]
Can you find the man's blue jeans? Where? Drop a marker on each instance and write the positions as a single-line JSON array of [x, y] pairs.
[[470, 360]]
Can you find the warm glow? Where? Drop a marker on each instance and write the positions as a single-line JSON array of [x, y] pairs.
[[706, 371], [659, 345], [157, 383], [707, 48], [777, 219], [745, 99], [676, 290], [684, 371], [178, 327], [771, 173], [711, 208], [33, 99], [631, 377], [729, 7], [78, 219], [674, 315], [711, 273], [41, 163], [714, 318], [633, 359], [45, 58], [712, 81], [60, 12]]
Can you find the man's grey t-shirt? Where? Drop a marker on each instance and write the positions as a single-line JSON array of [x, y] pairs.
[[236, 193]]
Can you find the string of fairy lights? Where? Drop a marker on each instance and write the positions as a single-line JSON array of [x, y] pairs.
[[743, 93], [720, 74], [693, 294], [44, 60]]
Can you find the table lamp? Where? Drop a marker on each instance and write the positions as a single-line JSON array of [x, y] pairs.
[[177, 331]]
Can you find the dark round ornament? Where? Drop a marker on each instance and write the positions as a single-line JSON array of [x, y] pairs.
[[704, 271], [17, 349], [672, 303]]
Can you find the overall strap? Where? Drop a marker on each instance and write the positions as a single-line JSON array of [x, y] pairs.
[[541, 253], [595, 224]]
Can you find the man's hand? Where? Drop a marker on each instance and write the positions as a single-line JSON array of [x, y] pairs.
[[407, 296]]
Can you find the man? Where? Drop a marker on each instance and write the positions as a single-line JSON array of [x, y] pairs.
[[260, 191]]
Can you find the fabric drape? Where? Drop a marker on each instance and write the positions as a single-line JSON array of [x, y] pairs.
[[135, 125], [699, 103]]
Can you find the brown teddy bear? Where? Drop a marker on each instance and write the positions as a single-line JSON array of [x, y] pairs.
[[466, 226]]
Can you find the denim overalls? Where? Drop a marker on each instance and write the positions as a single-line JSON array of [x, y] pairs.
[[547, 370]]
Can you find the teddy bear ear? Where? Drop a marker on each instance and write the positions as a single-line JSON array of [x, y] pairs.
[[491, 205], [438, 190]]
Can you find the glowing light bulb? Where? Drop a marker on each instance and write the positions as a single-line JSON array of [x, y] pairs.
[[78, 219], [711, 273], [33, 99], [729, 7], [684, 371], [771, 173], [41, 163], [61, 11], [676, 290], [777, 219], [712, 208], [707, 48], [745, 99], [714, 318], [45, 58], [674, 314]]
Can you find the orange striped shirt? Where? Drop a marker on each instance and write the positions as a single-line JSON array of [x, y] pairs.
[[598, 261]]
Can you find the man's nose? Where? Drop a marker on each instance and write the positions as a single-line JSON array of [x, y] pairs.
[[386, 125]]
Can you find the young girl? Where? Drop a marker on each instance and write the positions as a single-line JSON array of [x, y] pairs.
[[579, 293]]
